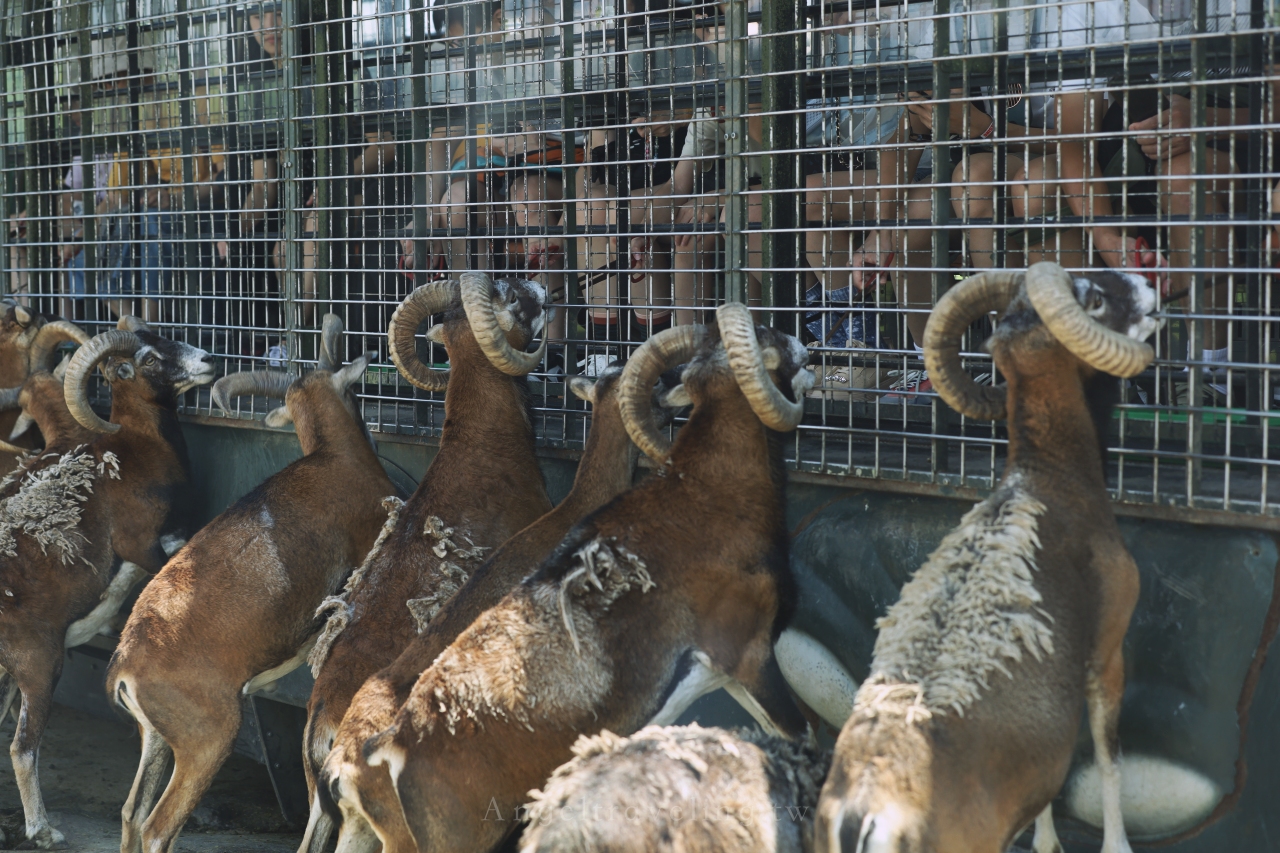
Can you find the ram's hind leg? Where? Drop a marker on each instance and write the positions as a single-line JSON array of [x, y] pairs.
[[1046, 837], [36, 684], [146, 785], [201, 738], [1105, 690]]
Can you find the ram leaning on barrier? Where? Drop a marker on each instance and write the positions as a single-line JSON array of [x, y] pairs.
[[676, 588], [483, 486], [964, 731], [236, 607], [605, 470]]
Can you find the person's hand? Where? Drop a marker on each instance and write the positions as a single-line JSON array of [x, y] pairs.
[[67, 252], [224, 248], [1176, 124], [920, 108], [697, 212], [311, 200]]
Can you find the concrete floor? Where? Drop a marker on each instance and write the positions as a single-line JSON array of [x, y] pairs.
[[86, 767]]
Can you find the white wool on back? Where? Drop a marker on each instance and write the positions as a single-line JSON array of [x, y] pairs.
[[971, 608], [50, 502]]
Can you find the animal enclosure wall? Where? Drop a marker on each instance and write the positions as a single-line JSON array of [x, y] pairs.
[[232, 171]]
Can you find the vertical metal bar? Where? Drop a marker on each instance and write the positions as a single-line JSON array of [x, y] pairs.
[[941, 196], [188, 232], [474, 21], [90, 149], [326, 107], [288, 176], [421, 132], [1256, 204], [780, 104], [570, 217], [1196, 301], [735, 132]]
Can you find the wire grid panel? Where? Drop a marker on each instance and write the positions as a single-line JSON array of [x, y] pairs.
[[233, 171]]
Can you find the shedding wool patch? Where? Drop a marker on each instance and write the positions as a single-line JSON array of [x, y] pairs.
[[456, 564], [537, 655], [971, 608], [611, 569], [336, 607], [50, 502]]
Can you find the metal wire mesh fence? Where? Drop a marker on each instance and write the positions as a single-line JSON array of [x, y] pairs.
[[234, 170]]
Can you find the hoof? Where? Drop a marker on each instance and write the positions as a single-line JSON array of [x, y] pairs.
[[46, 838]]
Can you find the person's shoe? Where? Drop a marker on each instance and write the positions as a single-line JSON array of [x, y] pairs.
[[594, 365], [849, 381], [908, 386]]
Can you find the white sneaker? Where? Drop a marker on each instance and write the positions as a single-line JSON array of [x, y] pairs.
[[276, 356], [594, 365]]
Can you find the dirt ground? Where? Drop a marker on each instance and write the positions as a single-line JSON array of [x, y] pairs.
[[86, 767]]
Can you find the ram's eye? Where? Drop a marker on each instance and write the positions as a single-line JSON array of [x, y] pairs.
[[150, 361], [1095, 301]]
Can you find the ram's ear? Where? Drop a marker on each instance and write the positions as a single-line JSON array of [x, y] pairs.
[[435, 334], [583, 388], [279, 417]]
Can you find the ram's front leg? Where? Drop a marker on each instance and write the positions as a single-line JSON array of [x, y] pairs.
[[83, 630]]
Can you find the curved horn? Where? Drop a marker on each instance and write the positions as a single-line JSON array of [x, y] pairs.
[[431, 298], [260, 383], [22, 315], [9, 398], [76, 383], [331, 343], [635, 389], [746, 360], [1052, 294], [477, 301], [47, 339], [130, 323], [977, 295]]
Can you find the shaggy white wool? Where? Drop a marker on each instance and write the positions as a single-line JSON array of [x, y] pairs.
[[736, 783], [337, 607], [518, 663], [50, 502], [971, 608]]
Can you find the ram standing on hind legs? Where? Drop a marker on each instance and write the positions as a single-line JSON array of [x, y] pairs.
[[964, 731], [483, 486], [240, 599], [673, 589], [365, 794], [99, 491]]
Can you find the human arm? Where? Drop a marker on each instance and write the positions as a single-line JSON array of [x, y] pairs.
[[1167, 134]]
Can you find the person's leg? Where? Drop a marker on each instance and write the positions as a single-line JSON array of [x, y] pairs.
[[651, 254], [833, 198], [694, 258], [1176, 182], [1038, 196], [973, 197], [534, 203]]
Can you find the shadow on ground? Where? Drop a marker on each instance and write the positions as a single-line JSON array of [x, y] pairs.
[[86, 767]]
